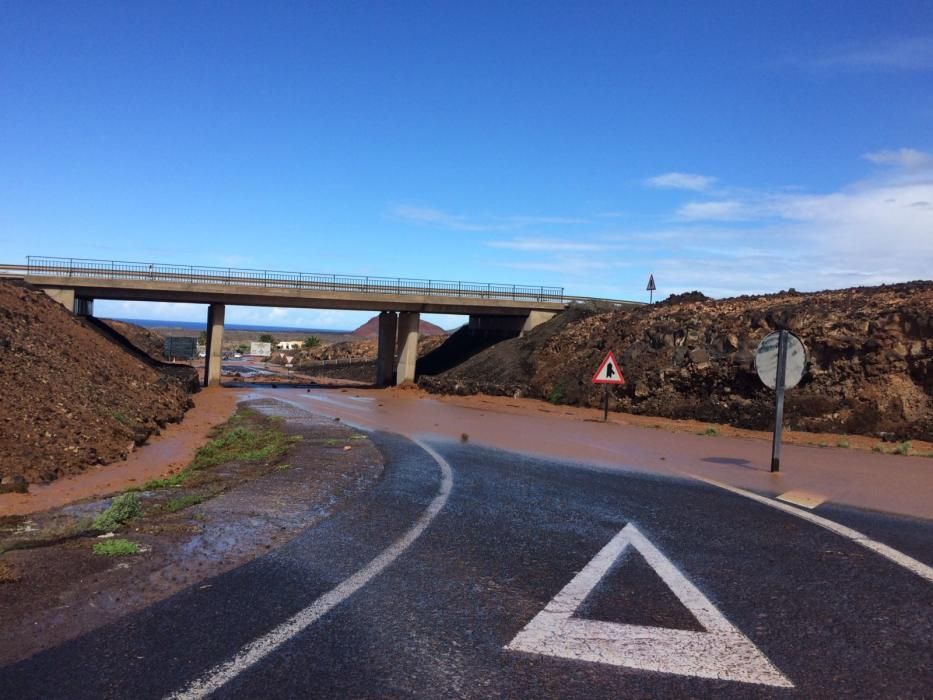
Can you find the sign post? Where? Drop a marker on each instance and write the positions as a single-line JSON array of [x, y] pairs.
[[608, 373], [650, 288], [779, 403], [780, 360]]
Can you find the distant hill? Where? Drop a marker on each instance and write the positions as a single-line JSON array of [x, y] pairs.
[[370, 329]]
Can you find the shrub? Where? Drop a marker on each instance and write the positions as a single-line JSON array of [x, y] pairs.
[[556, 395], [124, 507], [183, 502], [115, 548]]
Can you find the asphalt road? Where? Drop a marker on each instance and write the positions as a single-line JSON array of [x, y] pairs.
[[810, 612]]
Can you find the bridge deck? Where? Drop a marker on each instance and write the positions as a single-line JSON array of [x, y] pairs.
[[103, 279]]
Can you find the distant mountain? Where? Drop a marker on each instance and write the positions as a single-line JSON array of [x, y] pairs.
[[370, 329]]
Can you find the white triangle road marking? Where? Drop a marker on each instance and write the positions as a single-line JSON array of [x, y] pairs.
[[721, 652]]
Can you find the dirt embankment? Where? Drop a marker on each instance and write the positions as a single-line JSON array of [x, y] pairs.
[[71, 397], [870, 365], [145, 339]]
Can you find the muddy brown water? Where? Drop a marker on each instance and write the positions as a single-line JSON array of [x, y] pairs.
[[160, 456]]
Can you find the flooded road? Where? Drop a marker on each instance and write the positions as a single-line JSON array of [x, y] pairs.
[[890, 483]]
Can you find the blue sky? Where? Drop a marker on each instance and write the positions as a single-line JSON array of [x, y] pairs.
[[730, 147]]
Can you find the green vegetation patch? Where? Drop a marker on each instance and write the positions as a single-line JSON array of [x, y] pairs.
[[903, 448], [124, 507], [183, 502], [247, 436], [556, 394], [243, 443], [115, 548], [167, 482]]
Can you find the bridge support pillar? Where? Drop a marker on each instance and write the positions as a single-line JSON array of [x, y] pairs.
[[409, 323], [215, 341], [385, 363], [83, 306]]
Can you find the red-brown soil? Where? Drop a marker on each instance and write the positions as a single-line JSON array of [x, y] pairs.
[[870, 360], [61, 590], [71, 397], [162, 455]]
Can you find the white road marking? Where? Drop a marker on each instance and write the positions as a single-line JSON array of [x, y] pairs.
[[259, 648], [804, 499], [884, 550], [721, 652]]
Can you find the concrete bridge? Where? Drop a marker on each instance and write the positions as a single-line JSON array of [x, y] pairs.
[[503, 308]]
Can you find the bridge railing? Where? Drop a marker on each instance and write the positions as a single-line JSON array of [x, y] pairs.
[[191, 274]]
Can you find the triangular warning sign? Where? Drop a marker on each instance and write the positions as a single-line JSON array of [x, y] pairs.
[[609, 372], [651, 286], [720, 652]]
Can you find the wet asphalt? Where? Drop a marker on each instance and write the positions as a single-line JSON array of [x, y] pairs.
[[834, 618]]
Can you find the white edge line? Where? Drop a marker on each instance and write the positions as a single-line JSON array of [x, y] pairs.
[[254, 651], [884, 550]]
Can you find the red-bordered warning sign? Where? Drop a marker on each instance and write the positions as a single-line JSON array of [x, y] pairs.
[[609, 372]]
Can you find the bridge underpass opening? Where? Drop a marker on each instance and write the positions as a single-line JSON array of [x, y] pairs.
[[397, 340]]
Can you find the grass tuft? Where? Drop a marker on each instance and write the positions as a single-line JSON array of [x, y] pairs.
[[167, 482], [843, 443], [124, 507], [115, 548], [903, 448], [182, 502], [710, 432], [556, 395]]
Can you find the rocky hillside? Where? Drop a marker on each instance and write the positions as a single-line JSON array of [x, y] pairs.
[[870, 367], [71, 397]]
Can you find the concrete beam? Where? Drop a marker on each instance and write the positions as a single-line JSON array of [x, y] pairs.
[[237, 295], [499, 326], [409, 323], [215, 341], [65, 297], [535, 319], [385, 363]]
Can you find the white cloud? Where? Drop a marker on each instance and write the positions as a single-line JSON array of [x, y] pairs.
[[726, 210], [756, 241], [566, 267], [459, 222], [540, 245], [681, 181], [907, 158], [914, 53], [427, 215]]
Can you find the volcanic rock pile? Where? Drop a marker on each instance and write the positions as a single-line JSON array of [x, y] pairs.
[[870, 368]]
